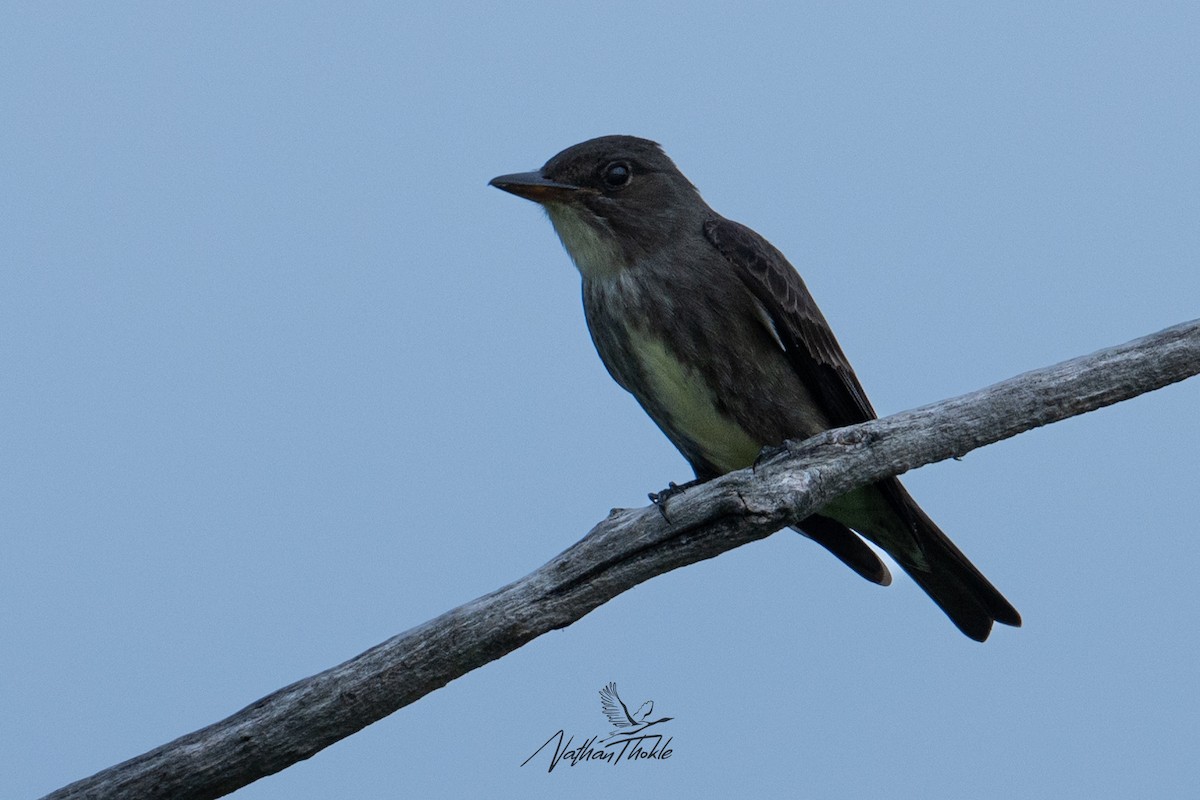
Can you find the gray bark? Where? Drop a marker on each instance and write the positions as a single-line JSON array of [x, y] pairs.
[[629, 547]]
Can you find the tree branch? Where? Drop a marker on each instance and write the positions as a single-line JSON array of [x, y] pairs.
[[631, 546]]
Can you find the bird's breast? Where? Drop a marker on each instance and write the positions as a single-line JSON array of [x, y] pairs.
[[690, 345], [682, 399]]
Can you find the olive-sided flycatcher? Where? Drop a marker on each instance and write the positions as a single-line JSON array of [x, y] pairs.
[[716, 335]]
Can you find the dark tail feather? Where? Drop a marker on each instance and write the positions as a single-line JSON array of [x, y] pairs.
[[847, 547], [953, 582]]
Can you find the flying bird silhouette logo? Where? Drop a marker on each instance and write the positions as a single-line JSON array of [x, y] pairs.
[[625, 723]]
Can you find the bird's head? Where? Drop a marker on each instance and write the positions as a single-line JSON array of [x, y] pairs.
[[612, 200]]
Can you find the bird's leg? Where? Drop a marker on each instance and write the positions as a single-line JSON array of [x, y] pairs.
[[660, 498], [673, 488], [767, 453]]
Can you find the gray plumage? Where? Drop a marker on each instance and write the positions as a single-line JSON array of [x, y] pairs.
[[714, 333]]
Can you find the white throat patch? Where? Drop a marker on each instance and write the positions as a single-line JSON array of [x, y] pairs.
[[596, 255]]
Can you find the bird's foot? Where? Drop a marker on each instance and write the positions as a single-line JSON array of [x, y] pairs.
[[767, 453], [660, 498]]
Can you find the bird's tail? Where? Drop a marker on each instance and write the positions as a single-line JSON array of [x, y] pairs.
[[941, 569]]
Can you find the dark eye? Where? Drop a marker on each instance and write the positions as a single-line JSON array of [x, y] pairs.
[[616, 175]]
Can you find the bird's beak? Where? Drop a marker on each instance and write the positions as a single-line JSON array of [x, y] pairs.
[[534, 186]]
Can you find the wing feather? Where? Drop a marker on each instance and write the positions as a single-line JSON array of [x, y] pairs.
[[795, 320], [614, 707]]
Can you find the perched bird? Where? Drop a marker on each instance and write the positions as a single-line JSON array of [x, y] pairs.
[[716, 335]]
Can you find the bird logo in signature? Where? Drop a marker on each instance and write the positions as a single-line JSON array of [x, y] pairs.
[[625, 723]]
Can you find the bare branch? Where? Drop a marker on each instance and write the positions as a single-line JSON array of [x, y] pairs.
[[630, 547]]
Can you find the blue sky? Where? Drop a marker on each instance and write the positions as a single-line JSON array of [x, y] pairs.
[[280, 376]]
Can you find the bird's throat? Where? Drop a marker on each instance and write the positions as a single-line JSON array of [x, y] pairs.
[[592, 247]]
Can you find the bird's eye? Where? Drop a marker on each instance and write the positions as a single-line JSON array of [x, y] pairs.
[[616, 175]]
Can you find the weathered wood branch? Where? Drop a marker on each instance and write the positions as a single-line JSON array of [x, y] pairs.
[[631, 546]]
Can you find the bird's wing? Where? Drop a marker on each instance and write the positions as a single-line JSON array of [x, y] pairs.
[[614, 708], [817, 359], [797, 323]]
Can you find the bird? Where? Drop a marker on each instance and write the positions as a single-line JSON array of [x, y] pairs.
[[624, 723], [719, 340]]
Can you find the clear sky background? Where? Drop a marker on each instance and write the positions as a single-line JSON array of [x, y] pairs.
[[280, 376]]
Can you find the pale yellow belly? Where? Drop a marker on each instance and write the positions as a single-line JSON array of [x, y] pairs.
[[691, 407]]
